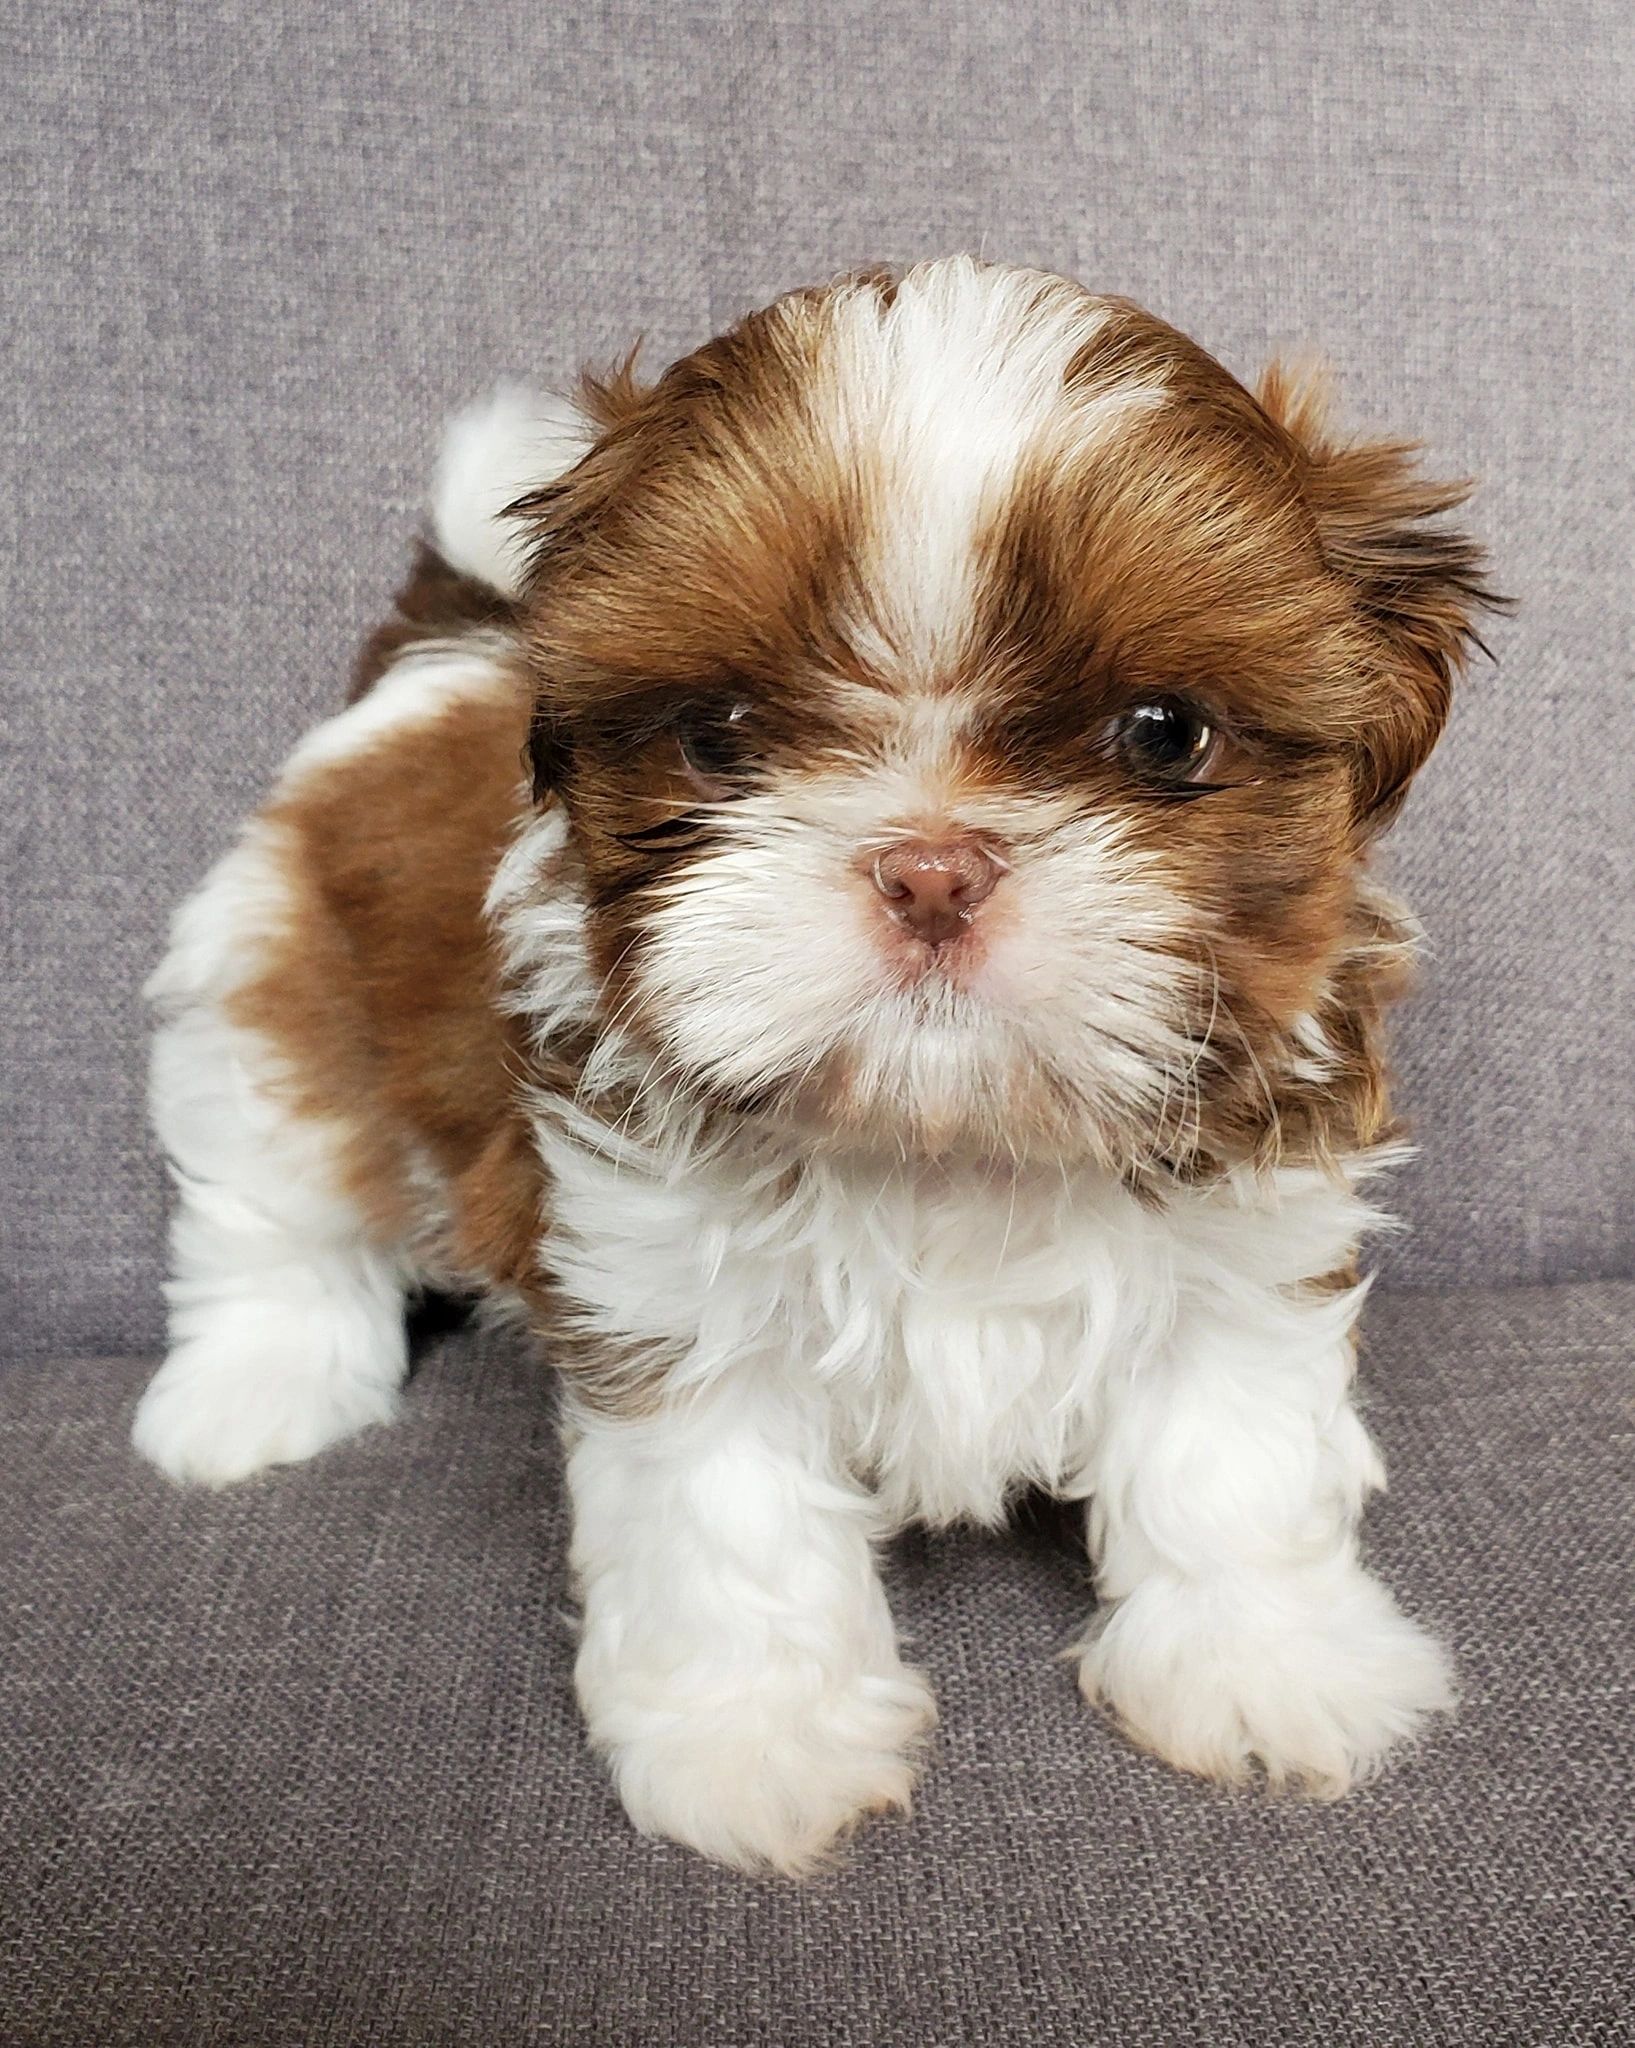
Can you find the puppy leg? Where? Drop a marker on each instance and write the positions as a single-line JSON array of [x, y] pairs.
[[1240, 1626], [738, 1664], [286, 1315]]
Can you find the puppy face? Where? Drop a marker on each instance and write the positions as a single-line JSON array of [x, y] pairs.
[[971, 706]]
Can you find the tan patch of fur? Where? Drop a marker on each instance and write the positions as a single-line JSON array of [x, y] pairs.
[[380, 998]]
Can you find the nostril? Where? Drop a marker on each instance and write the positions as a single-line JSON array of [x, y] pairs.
[[933, 885], [972, 874], [889, 884]]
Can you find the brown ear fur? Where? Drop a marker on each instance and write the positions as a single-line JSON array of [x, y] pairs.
[[567, 507], [1421, 584]]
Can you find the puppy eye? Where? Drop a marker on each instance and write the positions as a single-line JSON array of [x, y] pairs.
[[1168, 744], [713, 745]]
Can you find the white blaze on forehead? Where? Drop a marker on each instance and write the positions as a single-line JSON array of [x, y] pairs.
[[936, 400]]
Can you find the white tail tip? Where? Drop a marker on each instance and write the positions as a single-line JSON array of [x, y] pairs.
[[506, 444]]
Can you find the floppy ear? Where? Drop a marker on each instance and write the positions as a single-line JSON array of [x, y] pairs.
[[1419, 582], [547, 755], [561, 515], [548, 516]]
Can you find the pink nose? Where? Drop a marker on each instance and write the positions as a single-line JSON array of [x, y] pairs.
[[932, 886]]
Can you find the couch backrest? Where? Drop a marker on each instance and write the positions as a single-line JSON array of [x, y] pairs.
[[263, 249]]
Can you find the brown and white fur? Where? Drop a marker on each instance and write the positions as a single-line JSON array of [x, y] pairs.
[[879, 1086]]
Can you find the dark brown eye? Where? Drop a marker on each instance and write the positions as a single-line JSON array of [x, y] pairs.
[[1168, 744], [713, 747]]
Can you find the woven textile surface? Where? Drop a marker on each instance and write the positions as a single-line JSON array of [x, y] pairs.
[[300, 1763]]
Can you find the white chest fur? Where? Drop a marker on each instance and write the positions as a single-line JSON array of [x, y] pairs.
[[951, 1331]]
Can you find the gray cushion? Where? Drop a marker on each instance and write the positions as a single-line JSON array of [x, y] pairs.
[[301, 1763], [254, 252]]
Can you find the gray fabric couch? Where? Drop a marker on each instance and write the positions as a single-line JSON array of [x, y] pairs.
[[299, 1763]]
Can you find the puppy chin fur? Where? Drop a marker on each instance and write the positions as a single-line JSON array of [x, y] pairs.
[[403, 1039]]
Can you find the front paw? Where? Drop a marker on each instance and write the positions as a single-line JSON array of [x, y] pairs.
[[1313, 1675], [230, 1403], [765, 1775]]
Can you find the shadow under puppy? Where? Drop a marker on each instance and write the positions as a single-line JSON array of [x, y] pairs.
[[913, 1031]]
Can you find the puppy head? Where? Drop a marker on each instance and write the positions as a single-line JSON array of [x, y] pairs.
[[972, 706]]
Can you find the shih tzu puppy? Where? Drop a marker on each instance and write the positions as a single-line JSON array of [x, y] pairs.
[[842, 897]]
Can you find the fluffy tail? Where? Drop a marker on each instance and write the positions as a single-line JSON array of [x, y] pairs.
[[508, 443]]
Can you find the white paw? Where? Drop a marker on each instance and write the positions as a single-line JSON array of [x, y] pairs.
[[229, 1403], [764, 1776], [1312, 1675]]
